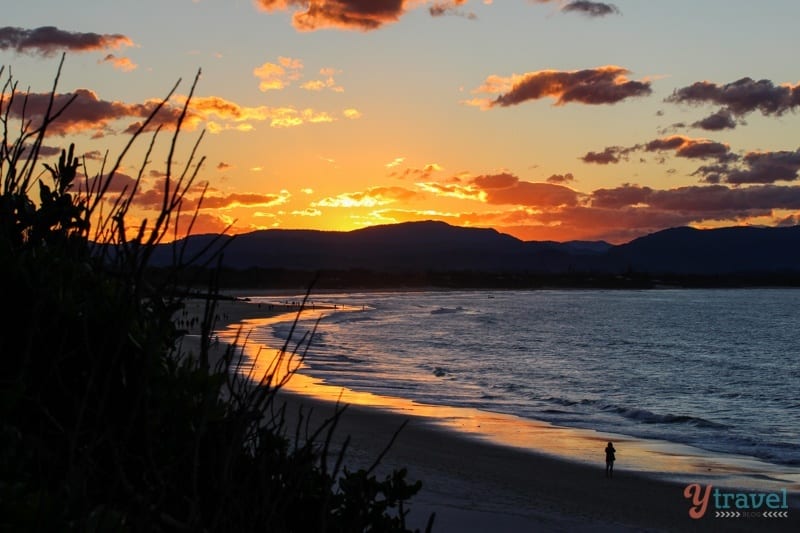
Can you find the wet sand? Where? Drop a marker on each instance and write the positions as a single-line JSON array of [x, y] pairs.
[[488, 472]]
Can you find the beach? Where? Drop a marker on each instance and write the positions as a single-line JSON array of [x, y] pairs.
[[484, 472]]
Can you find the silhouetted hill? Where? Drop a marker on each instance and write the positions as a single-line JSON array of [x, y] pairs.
[[439, 247], [412, 246], [734, 250]]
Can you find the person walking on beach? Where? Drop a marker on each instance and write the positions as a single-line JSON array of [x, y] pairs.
[[610, 458]]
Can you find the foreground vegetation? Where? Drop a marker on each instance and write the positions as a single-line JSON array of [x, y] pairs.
[[104, 424]]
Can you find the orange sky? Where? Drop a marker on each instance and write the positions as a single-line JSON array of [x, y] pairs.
[[553, 120]]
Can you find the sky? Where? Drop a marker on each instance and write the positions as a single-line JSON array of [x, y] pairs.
[[544, 119]]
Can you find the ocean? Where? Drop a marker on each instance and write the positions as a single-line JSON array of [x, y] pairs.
[[716, 370]]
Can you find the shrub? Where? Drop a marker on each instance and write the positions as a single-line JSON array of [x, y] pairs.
[[104, 423]]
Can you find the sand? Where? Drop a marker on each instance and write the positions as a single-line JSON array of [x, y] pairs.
[[488, 472]]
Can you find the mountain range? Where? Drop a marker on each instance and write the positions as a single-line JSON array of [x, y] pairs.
[[438, 247]]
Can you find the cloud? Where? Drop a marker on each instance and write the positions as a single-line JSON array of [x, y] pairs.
[[766, 167], [89, 113], [86, 113], [542, 195], [584, 7], [277, 76], [120, 63], [757, 167], [228, 201], [119, 182], [601, 85], [739, 98], [561, 178], [628, 211], [683, 146], [609, 155], [721, 120], [289, 117], [372, 197], [505, 189], [365, 15], [328, 83], [152, 198], [691, 148], [453, 190], [423, 173], [707, 202], [47, 40], [441, 8], [307, 212], [591, 9]]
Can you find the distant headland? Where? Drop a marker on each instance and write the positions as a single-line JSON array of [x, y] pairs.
[[435, 254]]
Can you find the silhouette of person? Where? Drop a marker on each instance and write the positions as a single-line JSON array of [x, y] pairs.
[[610, 458]]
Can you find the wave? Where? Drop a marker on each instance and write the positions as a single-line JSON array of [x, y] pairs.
[[649, 417], [569, 403], [447, 310]]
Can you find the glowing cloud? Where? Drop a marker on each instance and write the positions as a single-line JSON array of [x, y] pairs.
[[375, 196], [507, 189], [328, 83], [276, 76], [120, 63]]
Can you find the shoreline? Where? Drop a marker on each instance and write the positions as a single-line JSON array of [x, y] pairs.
[[486, 471]]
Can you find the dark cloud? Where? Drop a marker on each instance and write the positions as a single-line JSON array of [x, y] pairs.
[[740, 97], [561, 178], [310, 15], [585, 7], [754, 167], [591, 9], [721, 120], [685, 147], [610, 155], [439, 9], [119, 183], [47, 40], [47, 151], [767, 167], [682, 146], [715, 173], [601, 85], [87, 112], [692, 148], [709, 202]]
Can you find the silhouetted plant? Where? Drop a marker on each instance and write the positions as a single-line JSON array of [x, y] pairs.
[[105, 424]]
